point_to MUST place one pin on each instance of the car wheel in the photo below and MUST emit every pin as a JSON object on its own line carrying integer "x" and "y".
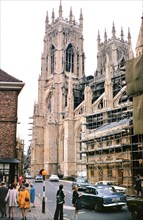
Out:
{"x": 97, "y": 207}
{"x": 134, "y": 214}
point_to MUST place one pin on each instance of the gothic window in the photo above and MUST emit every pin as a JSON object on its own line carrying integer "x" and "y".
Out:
{"x": 49, "y": 107}
{"x": 122, "y": 63}
{"x": 47, "y": 63}
{"x": 77, "y": 64}
{"x": 52, "y": 59}
{"x": 83, "y": 62}
{"x": 70, "y": 59}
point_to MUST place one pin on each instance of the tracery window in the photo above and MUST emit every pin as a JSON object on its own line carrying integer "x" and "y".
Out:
{"x": 70, "y": 59}
{"x": 52, "y": 59}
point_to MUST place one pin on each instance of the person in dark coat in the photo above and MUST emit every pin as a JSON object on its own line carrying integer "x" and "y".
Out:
{"x": 138, "y": 186}
{"x": 59, "y": 203}
{"x": 3, "y": 193}
{"x": 75, "y": 199}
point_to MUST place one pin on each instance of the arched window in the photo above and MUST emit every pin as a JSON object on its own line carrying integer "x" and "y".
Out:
{"x": 69, "y": 59}
{"x": 52, "y": 59}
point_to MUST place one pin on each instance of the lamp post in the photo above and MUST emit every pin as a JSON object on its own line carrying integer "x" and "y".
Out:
{"x": 43, "y": 172}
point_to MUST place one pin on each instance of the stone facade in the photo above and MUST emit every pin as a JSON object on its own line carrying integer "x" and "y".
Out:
{"x": 83, "y": 125}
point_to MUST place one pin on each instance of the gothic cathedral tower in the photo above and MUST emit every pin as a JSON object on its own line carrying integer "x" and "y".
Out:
{"x": 62, "y": 67}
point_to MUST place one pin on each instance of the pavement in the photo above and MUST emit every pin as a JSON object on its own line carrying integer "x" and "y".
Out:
{"x": 35, "y": 214}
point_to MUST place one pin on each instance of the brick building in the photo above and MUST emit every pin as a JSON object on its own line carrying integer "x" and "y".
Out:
{"x": 10, "y": 88}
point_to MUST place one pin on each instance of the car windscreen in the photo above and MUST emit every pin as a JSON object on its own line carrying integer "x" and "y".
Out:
{"x": 81, "y": 181}
{"x": 106, "y": 191}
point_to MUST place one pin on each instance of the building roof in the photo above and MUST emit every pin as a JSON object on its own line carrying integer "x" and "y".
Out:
{"x": 5, "y": 77}
{"x": 9, "y": 82}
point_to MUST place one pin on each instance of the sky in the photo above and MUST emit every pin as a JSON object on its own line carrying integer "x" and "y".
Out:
{"x": 22, "y": 29}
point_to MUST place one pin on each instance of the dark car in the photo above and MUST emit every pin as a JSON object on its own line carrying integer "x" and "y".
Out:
{"x": 81, "y": 182}
{"x": 135, "y": 206}
{"x": 101, "y": 197}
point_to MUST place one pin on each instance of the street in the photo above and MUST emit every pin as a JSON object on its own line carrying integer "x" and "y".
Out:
{"x": 84, "y": 214}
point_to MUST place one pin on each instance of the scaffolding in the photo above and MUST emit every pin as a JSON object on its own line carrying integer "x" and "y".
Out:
{"x": 111, "y": 150}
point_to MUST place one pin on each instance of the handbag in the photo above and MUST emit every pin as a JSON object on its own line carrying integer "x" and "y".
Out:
{"x": 27, "y": 199}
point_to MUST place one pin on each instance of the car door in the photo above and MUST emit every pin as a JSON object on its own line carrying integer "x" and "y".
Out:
{"x": 89, "y": 197}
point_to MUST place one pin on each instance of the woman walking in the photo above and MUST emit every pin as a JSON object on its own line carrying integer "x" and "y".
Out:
{"x": 32, "y": 195}
{"x": 11, "y": 198}
{"x": 76, "y": 202}
{"x": 24, "y": 201}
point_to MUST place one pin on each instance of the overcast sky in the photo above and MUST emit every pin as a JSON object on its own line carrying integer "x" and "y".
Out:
{"x": 22, "y": 32}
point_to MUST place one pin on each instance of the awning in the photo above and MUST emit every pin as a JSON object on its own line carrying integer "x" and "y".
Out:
{"x": 9, "y": 160}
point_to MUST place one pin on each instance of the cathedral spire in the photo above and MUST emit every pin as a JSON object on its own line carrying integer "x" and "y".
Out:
{"x": 53, "y": 16}
{"x": 113, "y": 31}
{"x": 81, "y": 19}
{"x": 98, "y": 40}
{"x": 122, "y": 34}
{"x": 139, "y": 45}
{"x": 105, "y": 36}
{"x": 129, "y": 36}
{"x": 46, "y": 22}
{"x": 60, "y": 10}
{"x": 71, "y": 15}
{"x": 131, "y": 54}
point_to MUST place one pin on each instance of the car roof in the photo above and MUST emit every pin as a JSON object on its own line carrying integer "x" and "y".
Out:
{"x": 106, "y": 181}
{"x": 98, "y": 186}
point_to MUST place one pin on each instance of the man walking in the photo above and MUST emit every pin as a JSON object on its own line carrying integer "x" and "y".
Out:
{"x": 3, "y": 193}
{"x": 138, "y": 187}
{"x": 60, "y": 201}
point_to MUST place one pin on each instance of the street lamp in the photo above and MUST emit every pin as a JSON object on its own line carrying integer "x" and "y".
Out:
{"x": 43, "y": 172}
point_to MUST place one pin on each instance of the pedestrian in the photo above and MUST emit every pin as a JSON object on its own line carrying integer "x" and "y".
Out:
{"x": 59, "y": 203}
{"x": 32, "y": 195}
{"x": 76, "y": 202}
{"x": 11, "y": 198}
{"x": 3, "y": 193}
{"x": 20, "y": 180}
{"x": 138, "y": 186}
{"x": 24, "y": 201}
{"x": 1, "y": 176}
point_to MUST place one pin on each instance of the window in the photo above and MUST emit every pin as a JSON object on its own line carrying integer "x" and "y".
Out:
{"x": 52, "y": 59}
{"x": 69, "y": 59}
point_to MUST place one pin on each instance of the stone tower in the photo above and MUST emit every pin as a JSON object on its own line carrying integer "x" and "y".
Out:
{"x": 62, "y": 67}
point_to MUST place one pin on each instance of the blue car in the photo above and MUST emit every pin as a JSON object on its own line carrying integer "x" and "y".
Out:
{"x": 101, "y": 197}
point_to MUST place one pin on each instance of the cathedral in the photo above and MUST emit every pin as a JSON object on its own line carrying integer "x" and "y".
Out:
{"x": 83, "y": 125}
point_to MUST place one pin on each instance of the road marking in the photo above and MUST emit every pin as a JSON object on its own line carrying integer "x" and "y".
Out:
{"x": 69, "y": 207}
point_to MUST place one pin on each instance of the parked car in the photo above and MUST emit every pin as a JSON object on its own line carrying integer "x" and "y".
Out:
{"x": 112, "y": 183}
{"x": 100, "y": 197}
{"x": 39, "y": 178}
{"x": 54, "y": 178}
{"x": 135, "y": 206}
{"x": 28, "y": 176}
{"x": 81, "y": 182}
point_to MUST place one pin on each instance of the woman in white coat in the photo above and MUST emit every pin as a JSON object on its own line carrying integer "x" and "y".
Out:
{"x": 11, "y": 198}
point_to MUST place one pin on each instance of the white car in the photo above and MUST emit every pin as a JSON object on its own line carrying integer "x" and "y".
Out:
{"x": 54, "y": 178}
{"x": 114, "y": 184}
